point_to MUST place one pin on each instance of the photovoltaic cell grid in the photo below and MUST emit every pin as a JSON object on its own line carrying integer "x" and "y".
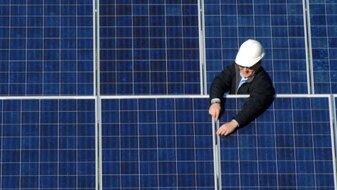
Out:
{"x": 278, "y": 26}
{"x": 323, "y": 21}
{"x": 288, "y": 147}
{"x": 46, "y": 47}
{"x": 166, "y": 143}
{"x": 163, "y": 143}
{"x": 47, "y": 144}
{"x": 149, "y": 47}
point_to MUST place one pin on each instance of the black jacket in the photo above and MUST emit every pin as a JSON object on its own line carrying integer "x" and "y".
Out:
{"x": 260, "y": 89}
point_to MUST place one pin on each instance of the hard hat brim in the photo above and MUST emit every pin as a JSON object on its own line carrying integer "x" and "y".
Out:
{"x": 247, "y": 62}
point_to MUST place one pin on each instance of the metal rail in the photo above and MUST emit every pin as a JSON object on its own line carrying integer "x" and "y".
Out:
{"x": 216, "y": 155}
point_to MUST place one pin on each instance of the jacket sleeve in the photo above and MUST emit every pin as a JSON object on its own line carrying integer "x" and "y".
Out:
{"x": 261, "y": 97}
{"x": 222, "y": 83}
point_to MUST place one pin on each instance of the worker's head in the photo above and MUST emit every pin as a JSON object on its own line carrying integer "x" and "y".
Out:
{"x": 249, "y": 57}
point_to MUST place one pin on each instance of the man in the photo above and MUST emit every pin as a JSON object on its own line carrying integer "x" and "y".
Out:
{"x": 245, "y": 76}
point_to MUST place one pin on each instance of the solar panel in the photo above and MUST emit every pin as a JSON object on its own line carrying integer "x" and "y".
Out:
{"x": 278, "y": 26}
{"x": 46, "y": 48}
{"x": 156, "y": 143}
{"x": 290, "y": 146}
{"x": 323, "y": 34}
{"x": 47, "y": 144}
{"x": 149, "y": 47}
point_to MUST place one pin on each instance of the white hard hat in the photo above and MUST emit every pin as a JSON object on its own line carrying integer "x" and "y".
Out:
{"x": 250, "y": 52}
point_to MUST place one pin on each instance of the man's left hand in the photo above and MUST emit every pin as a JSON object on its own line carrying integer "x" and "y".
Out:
{"x": 227, "y": 128}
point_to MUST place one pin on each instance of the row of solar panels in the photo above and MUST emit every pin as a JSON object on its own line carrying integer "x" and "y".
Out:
{"x": 160, "y": 48}
{"x": 164, "y": 143}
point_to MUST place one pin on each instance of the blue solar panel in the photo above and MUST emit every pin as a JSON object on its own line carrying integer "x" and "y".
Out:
{"x": 47, "y": 144}
{"x": 323, "y": 36}
{"x": 278, "y": 26}
{"x": 156, "y": 144}
{"x": 149, "y": 47}
{"x": 290, "y": 146}
{"x": 46, "y": 48}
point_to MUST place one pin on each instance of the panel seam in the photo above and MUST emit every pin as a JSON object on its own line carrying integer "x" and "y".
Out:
{"x": 202, "y": 48}
{"x": 332, "y": 111}
{"x": 308, "y": 47}
{"x": 96, "y": 85}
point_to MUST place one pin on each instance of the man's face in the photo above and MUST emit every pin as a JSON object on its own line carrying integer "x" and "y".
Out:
{"x": 248, "y": 71}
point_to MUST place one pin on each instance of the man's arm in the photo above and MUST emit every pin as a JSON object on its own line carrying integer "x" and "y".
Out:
{"x": 260, "y": 99}
{"x": 220, "y": 85}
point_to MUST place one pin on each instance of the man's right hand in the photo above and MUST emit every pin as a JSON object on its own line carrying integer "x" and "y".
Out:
{"x": 214, "y": 111}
